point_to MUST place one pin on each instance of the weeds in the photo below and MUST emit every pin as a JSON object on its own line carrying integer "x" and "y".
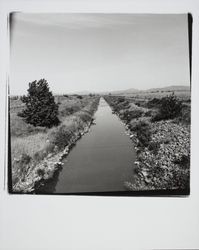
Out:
{"x": 143, "y": 132}
{"x": 30, "y": 145}
{"x": 132, "y": 114}
{"x": 60, "y": 136}
{"x": 169, "y": 108}
{"x": 162, "y": 147}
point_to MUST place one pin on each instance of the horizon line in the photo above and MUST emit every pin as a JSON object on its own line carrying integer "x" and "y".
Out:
{"x": 105, "y": 91}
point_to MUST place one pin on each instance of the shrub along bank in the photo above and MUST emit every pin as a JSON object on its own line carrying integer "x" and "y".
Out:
{"x": 36, "y": 164}
{"x": 160, "y": 131}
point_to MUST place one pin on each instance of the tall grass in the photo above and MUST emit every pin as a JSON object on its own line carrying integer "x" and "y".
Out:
{"x": 30, "y": 145}
{"x": 20, "y": 128}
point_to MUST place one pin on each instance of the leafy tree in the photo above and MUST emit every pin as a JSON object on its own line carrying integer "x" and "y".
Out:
{"x": 41, "y": 109}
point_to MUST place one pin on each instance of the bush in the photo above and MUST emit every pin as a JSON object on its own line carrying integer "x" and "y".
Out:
{"x": 41, "y": 109}
{"x": 125, "y": 104}
{"x": 144, "y": 137}
{"x": 61, "y": 137}
{"x": 84, "y": 116}
{"x": 185, "y": 115}
{"x": 143, "y": 132}
{"x": 120, "y": 99}
{"x": 121, "y": 105}
{"x": 79, "y": 97}
{"x": 155, "y": 102}
{"x": 170, "y": 108}
{"x": 132, "y": 114}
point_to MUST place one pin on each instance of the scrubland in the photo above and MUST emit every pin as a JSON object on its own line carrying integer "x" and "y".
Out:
{"x": 159, "y": 126}
{"x": 36, "y": 151}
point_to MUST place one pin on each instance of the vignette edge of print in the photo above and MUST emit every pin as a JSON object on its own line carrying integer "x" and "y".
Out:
{"x": 105, "y": 116}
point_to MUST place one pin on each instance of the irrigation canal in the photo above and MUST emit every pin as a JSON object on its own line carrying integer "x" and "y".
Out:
{"x": 102, "y": 159}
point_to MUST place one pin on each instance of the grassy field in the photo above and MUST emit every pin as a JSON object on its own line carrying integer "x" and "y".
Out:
{"x": 144, "y": 96}
{"x": 161, "y": 136}
{"x": 30, "y": 145}
{"x": 158, "y": 123}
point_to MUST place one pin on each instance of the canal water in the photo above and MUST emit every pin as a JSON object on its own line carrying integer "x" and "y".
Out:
{"x": 102, "y": 160}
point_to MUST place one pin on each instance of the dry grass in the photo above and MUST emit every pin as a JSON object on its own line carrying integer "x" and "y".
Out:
{"x": 20, "y": 128}
{"x": 182, "y": 95}
{"x": 67, "y": 106}
{"x": 163, "y": 147}
{"x": 28, "y": 145}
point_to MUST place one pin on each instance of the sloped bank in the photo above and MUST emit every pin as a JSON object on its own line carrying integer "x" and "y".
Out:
{"x": 163, "y": 148}
{"x": 60, "y": 141}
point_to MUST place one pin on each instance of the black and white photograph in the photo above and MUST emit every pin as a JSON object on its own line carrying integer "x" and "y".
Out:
{"x": 99, "y": 103}
{"x": 99, "y": 124}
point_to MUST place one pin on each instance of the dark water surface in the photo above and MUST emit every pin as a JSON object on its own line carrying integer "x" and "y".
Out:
{"x": 102, "y": 160}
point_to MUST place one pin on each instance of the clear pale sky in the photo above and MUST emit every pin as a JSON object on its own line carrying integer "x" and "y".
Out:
{"x": 99, "y": 52}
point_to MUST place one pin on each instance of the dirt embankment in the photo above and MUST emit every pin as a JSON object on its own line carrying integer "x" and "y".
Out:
{"x": 29, "y": 173}
{"x": 162, "y": 145}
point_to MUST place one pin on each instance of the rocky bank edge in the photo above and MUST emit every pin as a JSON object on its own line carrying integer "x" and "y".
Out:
{"x": 167, "y": 168}
{"x": 163, "y": 169}
{"x": 46, "y": 169}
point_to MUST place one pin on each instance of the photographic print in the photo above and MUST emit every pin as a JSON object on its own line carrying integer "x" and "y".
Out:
{"x": 99, "y": 104}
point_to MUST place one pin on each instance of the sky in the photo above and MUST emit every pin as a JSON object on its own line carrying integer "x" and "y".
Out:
{"x": 99, "y": 52}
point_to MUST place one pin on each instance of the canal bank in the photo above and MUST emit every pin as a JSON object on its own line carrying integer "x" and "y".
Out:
{"x": 42, "y": 169}
{"x": 102, "y": 161}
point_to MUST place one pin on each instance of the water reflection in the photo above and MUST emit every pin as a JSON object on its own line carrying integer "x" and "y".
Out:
{"x": 101, "y": 161}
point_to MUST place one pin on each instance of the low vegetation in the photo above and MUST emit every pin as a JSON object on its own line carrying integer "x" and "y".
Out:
{"x": 169, "y": 107}
{"x": 37, "y": 150}
{"x": 160, "y": 130}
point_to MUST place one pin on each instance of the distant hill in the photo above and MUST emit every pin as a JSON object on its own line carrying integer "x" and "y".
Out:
{"x": 170, "y": 88}
{"x": 133, "y": 90}
{"x": 83, "y": 92}
{"x": 165, "y": 89}
{"x": 120, "y": 92}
